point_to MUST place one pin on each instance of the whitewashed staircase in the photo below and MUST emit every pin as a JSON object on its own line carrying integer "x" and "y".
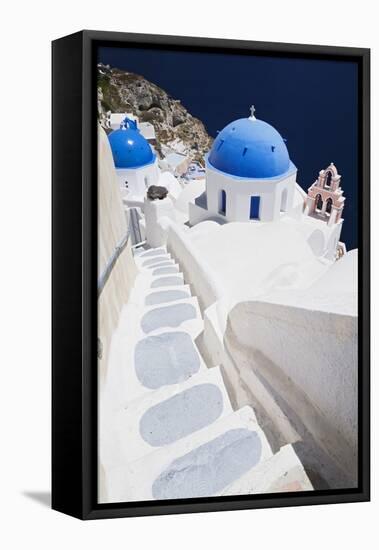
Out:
{"x": 167, "y": 427}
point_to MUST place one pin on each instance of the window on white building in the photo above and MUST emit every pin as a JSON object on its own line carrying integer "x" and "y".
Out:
{"x": 254, "y": 207}
{"x": 283, "y": 203}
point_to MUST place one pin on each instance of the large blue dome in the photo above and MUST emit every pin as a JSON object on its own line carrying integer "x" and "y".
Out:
{"x": 130, "y": 149}
{"x": 250, "y": 148}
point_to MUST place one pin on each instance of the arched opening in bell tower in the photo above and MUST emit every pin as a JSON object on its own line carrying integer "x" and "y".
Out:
{"x": 328, "y": 179}
{"x": 329, "y": 204}
{"x": 318, "y": 203}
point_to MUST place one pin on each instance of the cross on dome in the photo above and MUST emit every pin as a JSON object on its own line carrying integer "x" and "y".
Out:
{"x": 252, "y": 111}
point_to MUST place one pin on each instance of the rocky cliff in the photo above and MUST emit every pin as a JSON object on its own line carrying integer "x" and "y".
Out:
{"x": 120, "y": 91}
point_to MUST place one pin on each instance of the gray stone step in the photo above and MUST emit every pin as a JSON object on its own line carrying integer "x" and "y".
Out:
{"x": 162, "y": 417}
{"x": 184, "y": 314}
{"x": 151, "y": 252}
{"x": 200, "y": 465}
{"x": 145, "y": 263}
{"x": 155, "y": 360}
{"x": 163, "y": 296}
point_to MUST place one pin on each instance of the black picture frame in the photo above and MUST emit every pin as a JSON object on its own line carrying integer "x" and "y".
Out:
{"x": 74, "y": 295}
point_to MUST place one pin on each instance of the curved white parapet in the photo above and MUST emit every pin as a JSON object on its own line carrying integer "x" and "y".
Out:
{"x": 196, "y": 270}
{"x": 306, "y": 359}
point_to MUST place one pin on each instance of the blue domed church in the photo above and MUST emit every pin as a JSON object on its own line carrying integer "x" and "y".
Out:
{"x": 249, "y": 175}
{"x": 135, "y": 161}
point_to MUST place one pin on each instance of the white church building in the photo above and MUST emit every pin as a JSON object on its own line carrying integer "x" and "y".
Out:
{"x": 251, "y": 178}
{"x": 135, "y": 162}
{"x": 249, "y": 175}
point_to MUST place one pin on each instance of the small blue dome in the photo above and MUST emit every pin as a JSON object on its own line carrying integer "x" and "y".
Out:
{"x": 250, "y": 148}
{"x": 129, "y": 148}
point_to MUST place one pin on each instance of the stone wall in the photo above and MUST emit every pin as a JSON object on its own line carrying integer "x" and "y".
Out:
{"x": 112, "y": 228}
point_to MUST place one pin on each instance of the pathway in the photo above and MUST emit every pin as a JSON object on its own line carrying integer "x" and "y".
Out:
{"x": 167, "y": 427}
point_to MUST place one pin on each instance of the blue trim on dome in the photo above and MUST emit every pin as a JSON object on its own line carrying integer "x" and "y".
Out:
{"x": 250, "y": 148}
{"x": 130, "y": 149}
{"x": 291, "y": 170}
